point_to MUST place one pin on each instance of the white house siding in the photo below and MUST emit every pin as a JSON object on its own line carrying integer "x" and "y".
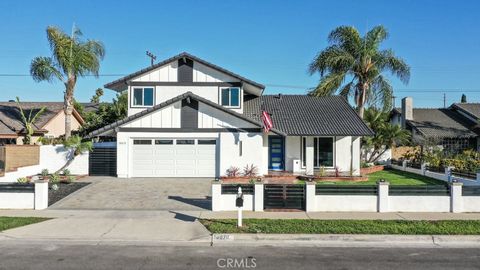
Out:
{"x": 228, "y": 149}
{"x": 209, "y": 117}
{"x": 165, "y": 73}
{"x": 202, "y": 73}
{"x": 167, "y": 117}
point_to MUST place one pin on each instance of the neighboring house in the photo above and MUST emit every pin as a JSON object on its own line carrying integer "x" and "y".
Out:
{"x": 454, "y": 128}
{"x": 51, "y": 123}
{"x": 190, "y": 118}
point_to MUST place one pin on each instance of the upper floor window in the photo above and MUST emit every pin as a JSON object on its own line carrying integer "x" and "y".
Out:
{"x": 230, "y": 97}
{"x": 142, "y": 96}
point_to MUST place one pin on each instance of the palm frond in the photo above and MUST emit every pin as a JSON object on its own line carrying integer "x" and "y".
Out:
{"x": 332, "y": 59}
{"x": 328, "y": 84}
{"x": 346, "y": 37}
{"x": 387, "y": 60}
{"x": 375, "y": 36}
{"x": 43, "y": 69}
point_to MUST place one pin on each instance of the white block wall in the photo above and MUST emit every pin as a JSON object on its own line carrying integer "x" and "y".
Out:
{"x": 10, "y": 200}
{"x": 345, "y": 203}
{"x": 419, "y": 203}
{"x": 51, "y": 158}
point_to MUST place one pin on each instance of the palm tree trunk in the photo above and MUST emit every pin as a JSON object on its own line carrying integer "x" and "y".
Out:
{"x": 68, "y": 105}
{"x": 361, "y": 99}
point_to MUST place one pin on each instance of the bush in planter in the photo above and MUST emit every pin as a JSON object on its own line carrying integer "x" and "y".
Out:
{"x": 233, "y": 171}
{"x": 55, "y": 178}
{"x": 70, "y": 179}
{"x": 22, "y": 180}
{"x": 250, "y": 170}
{"x": 44, "y": 173}
{"x": 66, "y": 172}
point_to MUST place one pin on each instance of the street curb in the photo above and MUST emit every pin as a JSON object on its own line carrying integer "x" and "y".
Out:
{"x": 341, "y": 240}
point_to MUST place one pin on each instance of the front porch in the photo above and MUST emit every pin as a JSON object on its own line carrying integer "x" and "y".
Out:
{"x": 313, "y": 155}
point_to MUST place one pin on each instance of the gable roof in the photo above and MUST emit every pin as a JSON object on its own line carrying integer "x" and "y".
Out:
{"x": 11, "y": 121}
{"x": 302, "y": 115}
{"x": 441, "y": 123}
{"x": 471, "y": 109}
{"x": 114, "y": 84}
{"x": 110, "y": 127}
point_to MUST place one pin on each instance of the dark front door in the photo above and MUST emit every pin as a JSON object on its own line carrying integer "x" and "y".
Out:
{"x": 276, "y": 146}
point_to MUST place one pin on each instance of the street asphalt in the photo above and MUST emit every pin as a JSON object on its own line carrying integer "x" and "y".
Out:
{"x": 67, "y": 256}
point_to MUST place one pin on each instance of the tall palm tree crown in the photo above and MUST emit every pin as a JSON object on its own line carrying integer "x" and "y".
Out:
{"x": 71, "y": 58}
{"x": 359, "y": 61}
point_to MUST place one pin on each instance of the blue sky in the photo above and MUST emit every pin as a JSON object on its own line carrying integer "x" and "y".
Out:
{"x": 271, "y": 42}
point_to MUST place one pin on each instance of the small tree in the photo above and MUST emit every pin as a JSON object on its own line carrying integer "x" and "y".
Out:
{"x": 96, "y": 98}
{"x": 386, "y": 135}
{"x": 29, "y": 121}
{"x": 464, "y": 99}
{"x": 76, "y": 146}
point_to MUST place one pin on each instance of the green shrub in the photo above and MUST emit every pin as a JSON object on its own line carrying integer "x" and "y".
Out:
{"x": 66, "y": 172}
{"x": 70, "y": 179}
{"x": 55, "y": 178}
{"x": 22, "y": 180}
{"x": 44, "y": 172}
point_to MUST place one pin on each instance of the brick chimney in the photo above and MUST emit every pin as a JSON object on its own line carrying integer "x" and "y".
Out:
{"x": 407, "y": 110}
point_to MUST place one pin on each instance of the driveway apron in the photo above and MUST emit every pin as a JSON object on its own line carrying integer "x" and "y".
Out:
{"x": 109, "y": 193}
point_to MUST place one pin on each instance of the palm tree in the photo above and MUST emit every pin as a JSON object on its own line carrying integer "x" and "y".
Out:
{"x": 29, "y": 121}
{"x": 359, "y": 61}
{"x": 71, "y": 58}
{"x": 386, "y": 135}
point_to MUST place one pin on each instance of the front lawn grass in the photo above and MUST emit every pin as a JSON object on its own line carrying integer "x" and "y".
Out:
{"x": 394, "y": 177}
{"x": 309, "y": 226}
{"x": 13, "y": 222}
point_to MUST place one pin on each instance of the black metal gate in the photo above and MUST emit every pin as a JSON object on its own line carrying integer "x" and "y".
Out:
{"x": 278, "y": 196}
{"x": 102, "y": 161}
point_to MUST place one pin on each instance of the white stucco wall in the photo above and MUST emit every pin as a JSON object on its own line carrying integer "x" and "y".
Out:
{"x": 292, "y": 151}
{"x": 10, "y": 200}
{"x": 346, "y": 203}
{"x": 51, "y": 158}
{"x": 419, "y": 203}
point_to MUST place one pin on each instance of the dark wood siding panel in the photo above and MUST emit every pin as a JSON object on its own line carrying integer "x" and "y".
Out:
{"x": 185, "y": 70}
{"x": 189, "y": 114}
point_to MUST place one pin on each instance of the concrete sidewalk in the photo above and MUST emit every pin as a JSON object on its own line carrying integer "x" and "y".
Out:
{"x": 110, "y": 226}
{"x": 178, "y": 228}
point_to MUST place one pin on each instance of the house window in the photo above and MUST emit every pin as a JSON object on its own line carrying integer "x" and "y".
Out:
{"x": 230, "y": 97}
{"x": 143, "y": 96}
{"x": 142, "y": 142}
{"x": 322, "y": 152}
{"x": 185, "y": 141}
{"x": 163, "y": 141}
{"x": 204, "y": 142}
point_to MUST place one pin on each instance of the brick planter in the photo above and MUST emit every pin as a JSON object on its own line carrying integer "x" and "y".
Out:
{"x": 369, "y": 170}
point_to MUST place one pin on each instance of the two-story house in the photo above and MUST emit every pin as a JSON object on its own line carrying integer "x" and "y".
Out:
{"x": 190, "y": 118}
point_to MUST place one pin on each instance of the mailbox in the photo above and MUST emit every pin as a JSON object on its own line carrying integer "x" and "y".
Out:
{"x": 239, "y": 200}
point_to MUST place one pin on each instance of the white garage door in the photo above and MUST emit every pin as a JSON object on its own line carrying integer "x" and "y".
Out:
{"x": 174, "y": 157}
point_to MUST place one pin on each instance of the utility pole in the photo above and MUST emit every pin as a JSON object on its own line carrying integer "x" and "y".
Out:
{"x": 444, "y": 100}
{"x": 152, "y": 57}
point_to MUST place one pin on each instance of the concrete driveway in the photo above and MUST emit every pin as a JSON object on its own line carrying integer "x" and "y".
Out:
{"x": 106, "y": 193}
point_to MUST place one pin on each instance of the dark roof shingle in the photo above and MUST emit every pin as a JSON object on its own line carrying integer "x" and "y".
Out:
{"x": 298, "y": 115}
{"x": 441, "y": 123}
{"x": 472, "y": 109}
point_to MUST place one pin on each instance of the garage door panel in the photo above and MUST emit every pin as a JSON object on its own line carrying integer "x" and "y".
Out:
{"x": 174, "y": 160}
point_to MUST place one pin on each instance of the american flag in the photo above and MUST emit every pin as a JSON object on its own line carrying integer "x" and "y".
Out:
{"x": 267, "y": 122}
